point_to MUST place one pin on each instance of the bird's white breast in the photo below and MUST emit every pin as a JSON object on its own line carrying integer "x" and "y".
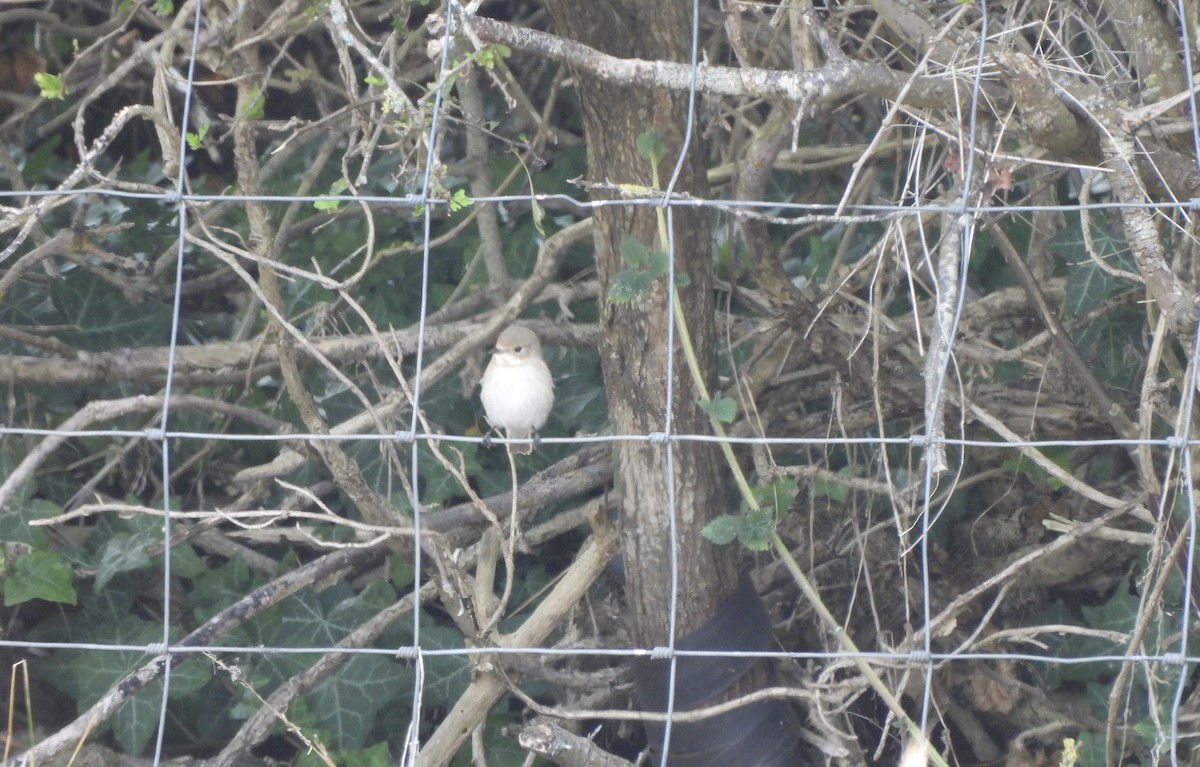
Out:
{"x": 517, "y": 395}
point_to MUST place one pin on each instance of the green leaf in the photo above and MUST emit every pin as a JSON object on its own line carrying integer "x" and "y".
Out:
{"x": 1088, "y": 285}
{"x": 101, "y": 317}
{"x": 348, "y": 703}
{"x": 446, "y": 676}
{"x": 1089, "y": 750}
{"x": 439, "y": 485}
{"x": 401, "y": 573}
{"x": 336, "y": 188}
{"x": 1118, "y": 614}
{"x": 50, "y": 86}
{"x": 722, "y": 531}
{"x": 539, "y": 216}
{"x": 185, "y": 562}
{"x": 777, "y": 496}
{"x": 722, "y": 409}
{"x": 755, "y": 529}
{"x": 373, "y": 80}
{"x": 650, "y": 146}
{"x": 1109, "y": 341}
{"x": 122, "y": 553}
{"x": 195, "y": 139}
{"x": 633, "y": 283}
{"x": 490, "y": 54}
{"x": 220, "y": 586}
{"x": 1019, "y": 464}
{"x": 831, "y": 489}
{"x": 375, "y": 756}
{"x": 14, "y": 523}
{"x": 634, "y": 252}
{"x": 460, "y": 200}
{"x": 39, "y": 575}
{"x": 255, "y": 105}
{"x": 629, "y": 286}
{"x": 659, "y": 264}
{"x": 87, "y": 675}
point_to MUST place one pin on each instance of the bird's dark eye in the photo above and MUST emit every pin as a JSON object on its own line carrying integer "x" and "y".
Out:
{"x": 517, "y": 349}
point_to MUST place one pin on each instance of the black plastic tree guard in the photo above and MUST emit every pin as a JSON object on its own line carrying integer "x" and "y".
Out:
{"x": 760, "y": 734}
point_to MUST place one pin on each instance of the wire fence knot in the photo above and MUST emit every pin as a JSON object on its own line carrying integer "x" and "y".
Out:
{"x": 920, "y": 657}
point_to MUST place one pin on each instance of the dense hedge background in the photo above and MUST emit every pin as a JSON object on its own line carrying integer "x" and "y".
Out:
{"x": 369, "y": 199}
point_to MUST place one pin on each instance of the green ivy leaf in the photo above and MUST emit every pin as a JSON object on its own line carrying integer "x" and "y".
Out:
{"x": 39, "y": 575}
{"x": 14, "y": 523}
{"x": 401, "y": 574}
{"x": 93, "y": 674}
{"x": 101, "y": 317}
{"x": 185, "y": 562}
{"x": 348, "y": 703}
{"x": 122, "y": 553}
{"x": 375, "y": 756}
{"x": 1088, "y": 285}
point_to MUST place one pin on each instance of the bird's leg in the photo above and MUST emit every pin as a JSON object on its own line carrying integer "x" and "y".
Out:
{"x": 487, "y": 438}
{"x": 537, "y": 440}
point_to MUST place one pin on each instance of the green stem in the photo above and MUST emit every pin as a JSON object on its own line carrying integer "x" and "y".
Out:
{"x": 810, "y": 592}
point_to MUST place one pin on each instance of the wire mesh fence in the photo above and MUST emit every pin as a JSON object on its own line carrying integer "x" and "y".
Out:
{"x": 896, "y": 464}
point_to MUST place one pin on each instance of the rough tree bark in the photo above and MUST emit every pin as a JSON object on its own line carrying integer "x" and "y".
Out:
{"x": 634, "y": 350}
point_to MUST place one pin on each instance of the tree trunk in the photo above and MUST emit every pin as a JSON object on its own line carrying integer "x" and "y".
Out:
{"x": 634, "y": 350}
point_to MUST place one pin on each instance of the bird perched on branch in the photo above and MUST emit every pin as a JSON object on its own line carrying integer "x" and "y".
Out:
{"x": 518, "y": 391}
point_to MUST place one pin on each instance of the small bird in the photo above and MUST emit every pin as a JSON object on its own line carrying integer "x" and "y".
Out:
{"x": 518, "y": 391}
